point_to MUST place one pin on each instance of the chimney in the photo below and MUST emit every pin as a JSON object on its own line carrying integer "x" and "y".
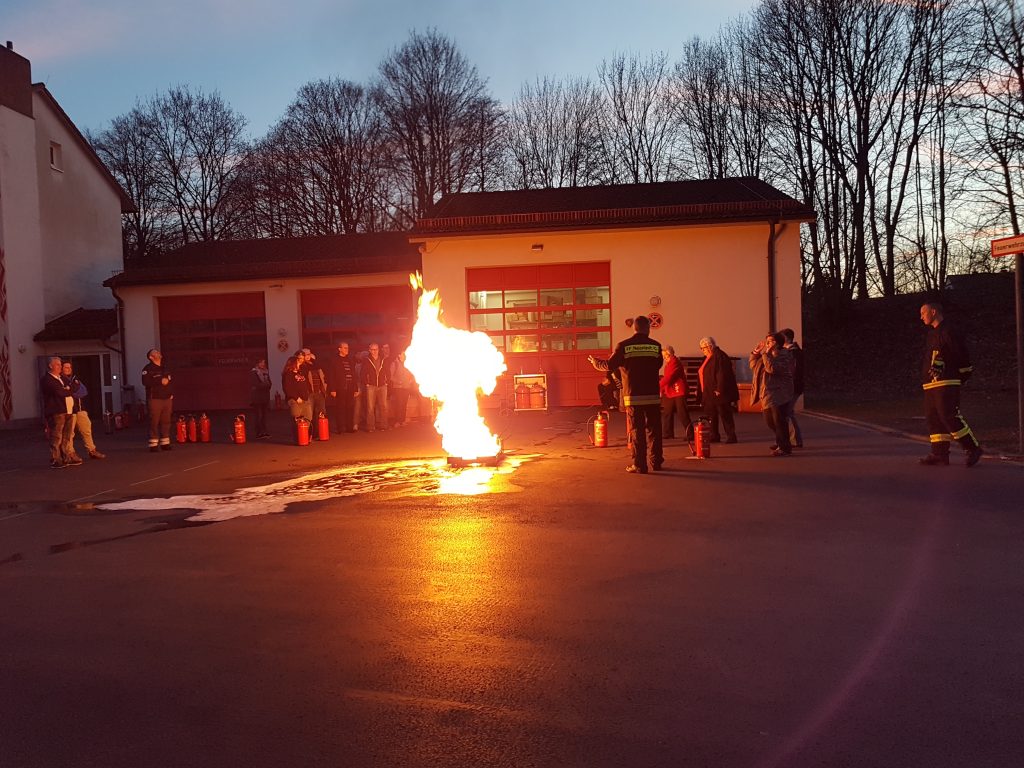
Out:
{"x": 10, "y": 45}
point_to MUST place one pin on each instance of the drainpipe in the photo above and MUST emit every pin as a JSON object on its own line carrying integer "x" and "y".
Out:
{"x": 124, "y": 345}
{"x": 773, "y": 236}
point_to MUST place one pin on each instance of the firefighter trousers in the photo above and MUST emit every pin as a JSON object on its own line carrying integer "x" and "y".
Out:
{"x": 643, "y": 425}
{"x": 942, "y": 412}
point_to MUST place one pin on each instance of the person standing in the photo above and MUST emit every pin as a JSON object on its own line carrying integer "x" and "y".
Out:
{"x": 296, "y": 390}
{"x": 342, "y": 389}
{"x": 400, "y": 383}
{"x": 156, "y": 380}
{"x": 259, "y": 396}
{"x": 945, "y": 367}
{"x": 772, "y": 367}
{"x": 81, "y": 423}
{"x": 718, "y": 388}
{"x": 374, "y": 374}
{"x": 638, "y": 360}
{"x": 795, "y": 435}
{"x": 58, "y": 410}
{"x": 317, "y": 387}
{"x": 673, "y": 388}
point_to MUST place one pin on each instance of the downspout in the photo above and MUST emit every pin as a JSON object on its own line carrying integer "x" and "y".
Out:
{"x": 124, "y": 345}
{"x": 773, "y": 236}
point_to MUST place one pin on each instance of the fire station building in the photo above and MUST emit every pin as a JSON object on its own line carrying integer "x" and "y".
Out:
{"x": 552, "y": 276}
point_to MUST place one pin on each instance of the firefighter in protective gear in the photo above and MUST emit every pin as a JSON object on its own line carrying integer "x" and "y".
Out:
{"x": 946, "y": 366}
{"x": 638, "y": 360}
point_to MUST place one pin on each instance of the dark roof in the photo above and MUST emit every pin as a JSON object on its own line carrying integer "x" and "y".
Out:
{"x": 275, "y": 258}
{"x": 81, "y": 325}
{"x": 666, "y": 203}
{"x": 127, "y": 206}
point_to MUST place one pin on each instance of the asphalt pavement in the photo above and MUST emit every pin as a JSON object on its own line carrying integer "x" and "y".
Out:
{"x": 359, "y": 603}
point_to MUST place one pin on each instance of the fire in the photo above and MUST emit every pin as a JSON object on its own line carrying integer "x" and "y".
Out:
{"x": 452, "y": 366}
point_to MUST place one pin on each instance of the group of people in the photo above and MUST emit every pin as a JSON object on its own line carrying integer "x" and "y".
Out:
{"x": 654, "y": 387}
{"x": 369, "y": 391}
{"x": 65, "y": 414}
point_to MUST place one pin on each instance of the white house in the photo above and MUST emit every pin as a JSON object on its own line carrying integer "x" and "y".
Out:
{"x": 60, "y": 238}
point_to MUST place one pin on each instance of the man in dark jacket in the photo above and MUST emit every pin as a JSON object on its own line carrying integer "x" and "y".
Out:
{"x": 638, "y": 360}
{"x": 945, "y": 367}
{"x": 342, "y": 387}
{"x": 373, "y": 375}
{"x": 156, "y": 379}
{"x": 796, "y": 436}
{"x": 59, "y": 409}
{"x": 718, "y": 389}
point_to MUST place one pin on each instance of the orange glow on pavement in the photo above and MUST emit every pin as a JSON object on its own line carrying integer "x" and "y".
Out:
{"x": 454, "y": 367}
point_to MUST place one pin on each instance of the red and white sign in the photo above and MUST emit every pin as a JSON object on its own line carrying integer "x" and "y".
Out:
{"x": 1007, "y": 246}
{"x": 656, "y": 319}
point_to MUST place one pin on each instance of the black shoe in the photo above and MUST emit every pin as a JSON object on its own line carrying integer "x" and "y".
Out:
{"x": 937, "y": 460}
{"x": 633, "y": 468}
{"x": 165, "y": 447}
{"x": 57, "y": 465}
{"x": 773, "y": 447}
{"x": 973, "y": 455}
{"x": 154, "y": 449}
{"x": 781, "y": 452}
{"x": 657, "y": 467}
{"x": 731, "y": 440}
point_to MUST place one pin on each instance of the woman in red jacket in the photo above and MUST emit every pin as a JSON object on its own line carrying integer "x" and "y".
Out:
{"x": 673, "y": 388}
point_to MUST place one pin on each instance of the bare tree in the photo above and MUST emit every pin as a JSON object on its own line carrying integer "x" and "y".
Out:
{"x": 437, "y": 115}
{"x": 126, "y": 149}
{"x": 199, "y": 146}
{"x": 702, "y": 97}
{"x": 640, "y": 131}
{"x": 552, "y": 135}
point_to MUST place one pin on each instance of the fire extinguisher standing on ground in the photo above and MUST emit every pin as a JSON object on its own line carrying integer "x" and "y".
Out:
{"x": 181, "y": 430}
{"x": 301, "y": 431}
{"x": 323, "y": 427}
{"x": 238, "y": 435}
{"x": 204, "y": 428}
{"x": 700, "y": 441}
{"x": 599, "y": 438}
{"x": 193, "y": 435}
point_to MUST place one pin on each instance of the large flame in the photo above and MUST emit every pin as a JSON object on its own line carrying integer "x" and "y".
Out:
{"x": 453, "y": 366}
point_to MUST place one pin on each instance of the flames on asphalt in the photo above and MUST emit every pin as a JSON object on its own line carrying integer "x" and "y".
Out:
{"x": 454, "y": 367}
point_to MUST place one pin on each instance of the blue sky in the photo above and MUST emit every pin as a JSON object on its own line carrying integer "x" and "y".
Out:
{"x": 98, "y": 56}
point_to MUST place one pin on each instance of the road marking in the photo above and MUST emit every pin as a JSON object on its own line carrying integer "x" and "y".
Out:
{"x": 151, "y": 479}
{"x": 11, "y": 517}
{"x": 8, "y": 471}
{"x": 93, "y": 496}
{"x": 197, "y": 466}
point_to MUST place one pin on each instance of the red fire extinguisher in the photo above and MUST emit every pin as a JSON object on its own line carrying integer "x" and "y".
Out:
{"x": 126, "y": 417}
{"x": 238, "y": 434}
{"x": 700, "y": 445}
{"x": 278, "y": 402}
{"x": 118, "y": 421}
{"x": 181, "y": 430}
{"x": 204, "y": 428}
{"x": 301, "y": 431}
{"x": 599, "y": 439}
{"x": 193, "y": 435}
{"x": 323, "y": 427}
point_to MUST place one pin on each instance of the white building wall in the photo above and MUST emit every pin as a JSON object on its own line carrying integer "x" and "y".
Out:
{"x": 20, "y": 239}
{"x": 80, "y": 219}
{"x": 712, "y": 280}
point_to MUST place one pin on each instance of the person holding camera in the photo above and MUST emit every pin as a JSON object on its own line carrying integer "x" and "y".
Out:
{"x": 772, "y": 366}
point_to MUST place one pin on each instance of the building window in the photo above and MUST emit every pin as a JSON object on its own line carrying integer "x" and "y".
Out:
{"x": 547, "y": 308}
{"x": 56, "y": 156}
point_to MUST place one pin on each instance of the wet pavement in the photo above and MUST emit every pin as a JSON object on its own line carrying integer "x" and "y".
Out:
{"x": 343, "y": 604}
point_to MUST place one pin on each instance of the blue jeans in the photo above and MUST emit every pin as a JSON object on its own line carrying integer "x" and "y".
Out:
{"x": 376, "y": 407}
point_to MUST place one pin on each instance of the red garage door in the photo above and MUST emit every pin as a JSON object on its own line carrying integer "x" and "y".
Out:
{"x": 546, "y": 319}
{"x": 210, "y": 343}
{"x": 384, "y": 314}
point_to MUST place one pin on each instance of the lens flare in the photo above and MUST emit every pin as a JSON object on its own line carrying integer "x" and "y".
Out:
{"x": 454, "y": 367}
